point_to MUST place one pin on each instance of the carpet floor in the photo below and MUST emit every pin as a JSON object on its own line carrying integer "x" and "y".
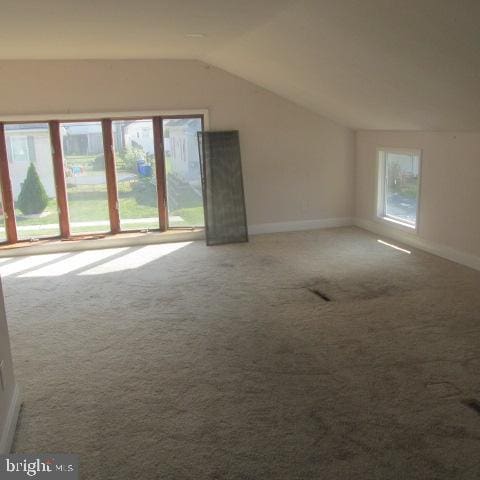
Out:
{"x": 183, "y": 361}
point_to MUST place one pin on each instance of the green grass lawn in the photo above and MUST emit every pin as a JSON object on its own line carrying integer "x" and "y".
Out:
{"x": 129, "y": 208}
{"x": 137, "y": 200}
{"x": 80, "y": 160}
{"x": 191, "y": 216}
{"x": 89, "y": 203}
{"x": 52, "y": 216}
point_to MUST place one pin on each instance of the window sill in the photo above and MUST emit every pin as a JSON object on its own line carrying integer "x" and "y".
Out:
{"x": 126, "y": 239}
{"x": 406, "y": 227}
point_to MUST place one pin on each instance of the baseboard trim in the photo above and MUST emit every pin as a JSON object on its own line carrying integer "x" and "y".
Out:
{"x": 8, "y": 433}
{"x": 443, "y": 251}
{"x": 299, "y": 225}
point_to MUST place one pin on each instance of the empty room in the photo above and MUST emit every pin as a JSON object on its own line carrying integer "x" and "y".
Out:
{"x": 240, "y": 240}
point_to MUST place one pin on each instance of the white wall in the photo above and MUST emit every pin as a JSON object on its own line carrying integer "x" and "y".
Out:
{"x": 9, "y": 400}
{"x": 449, "y": 218}
{"x": 297, "y": 165}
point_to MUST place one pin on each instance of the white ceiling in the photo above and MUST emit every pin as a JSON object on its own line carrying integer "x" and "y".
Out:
{"x": 380, "y": 64}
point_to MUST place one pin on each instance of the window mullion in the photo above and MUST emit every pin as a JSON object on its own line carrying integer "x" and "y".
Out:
{"x": 111, "y": 175}
{"x": 160, "y": 169}
{"x": 60, "y": 183}
{"x": 7, "y": 194}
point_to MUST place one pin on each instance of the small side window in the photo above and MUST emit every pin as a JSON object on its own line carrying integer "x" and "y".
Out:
{"x": 399, "y": 186}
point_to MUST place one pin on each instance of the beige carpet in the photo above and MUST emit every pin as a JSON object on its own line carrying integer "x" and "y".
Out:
{"x": 187, "y": 362}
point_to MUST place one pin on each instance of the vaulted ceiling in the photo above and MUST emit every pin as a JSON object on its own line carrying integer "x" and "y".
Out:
{"x": 377, "y": 64}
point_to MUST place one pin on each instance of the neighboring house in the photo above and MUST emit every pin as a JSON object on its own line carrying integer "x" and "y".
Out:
{"x": 183, "y": 147}
{"x": 138, "y": 134}
{"x": 180, "y": 142}
{"x": 29, "y": 143}
{"x": 82, "y": 138}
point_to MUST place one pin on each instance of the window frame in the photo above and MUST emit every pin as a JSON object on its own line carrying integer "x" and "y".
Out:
{"x": 106, "y": 119}
{"x": 381, "y": 205}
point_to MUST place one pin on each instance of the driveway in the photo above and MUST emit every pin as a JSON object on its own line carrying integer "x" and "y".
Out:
{"x": 402, "y": 207}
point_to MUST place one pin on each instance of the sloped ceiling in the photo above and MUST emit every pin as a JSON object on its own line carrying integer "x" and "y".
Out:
{"x": 368, "y": 64}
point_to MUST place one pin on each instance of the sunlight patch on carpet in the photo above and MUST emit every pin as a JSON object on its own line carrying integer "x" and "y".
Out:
{"x": 136, "y": 259}
{"x": 27, "y": 263}
{"x": 72, "y": 263}
{"x": 395, "y": 247}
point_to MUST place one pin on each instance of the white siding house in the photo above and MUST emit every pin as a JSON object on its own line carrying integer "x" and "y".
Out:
{"x": 29, "y": 143}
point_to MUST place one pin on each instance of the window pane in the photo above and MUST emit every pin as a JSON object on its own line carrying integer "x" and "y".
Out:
{"x": 82, "y": 145}
{"x": 18, "y": 145}
{"x": 182, "y": 165}
{"x": 33, "y": 182}
{"x": 136, "y": 176}
{"x": 401, "y": 186}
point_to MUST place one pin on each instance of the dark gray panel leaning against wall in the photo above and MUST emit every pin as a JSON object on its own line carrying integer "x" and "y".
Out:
{"x": 222, "y": 183}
